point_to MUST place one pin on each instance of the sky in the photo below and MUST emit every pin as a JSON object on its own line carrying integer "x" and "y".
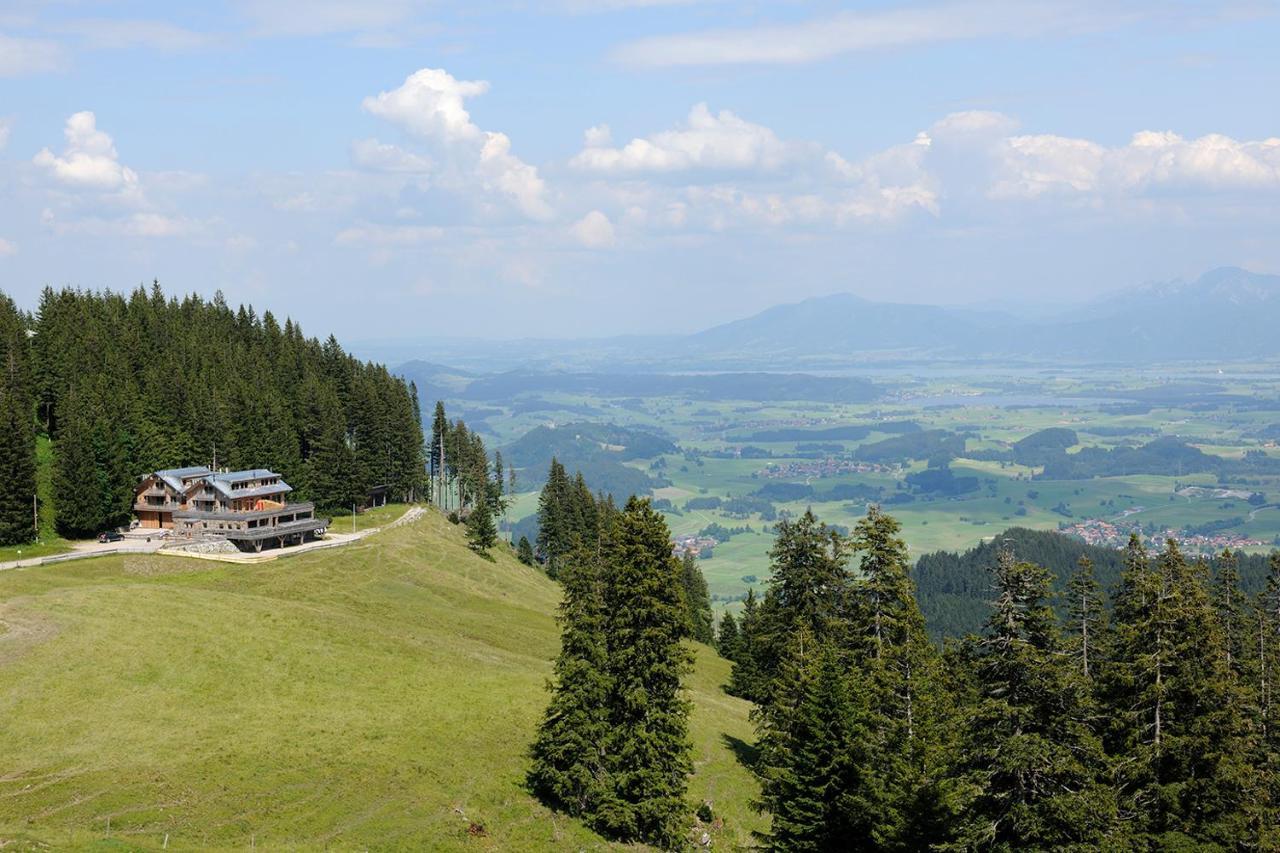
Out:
{"x": 402, "y": 170}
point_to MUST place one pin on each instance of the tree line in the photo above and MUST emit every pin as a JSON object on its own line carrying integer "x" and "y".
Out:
{"x": 1144, "y": 719}
{"x": 126, "y": 384}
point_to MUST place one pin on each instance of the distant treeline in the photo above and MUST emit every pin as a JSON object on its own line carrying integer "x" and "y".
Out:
{"x": 129, "y": 384}
{"x": 955, "y": 589}
{"x": 852, "y": 432}
{"x": 716, "y": 386}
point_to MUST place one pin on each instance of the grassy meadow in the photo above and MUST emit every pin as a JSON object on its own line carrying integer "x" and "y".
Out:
{"x": 377, "y": 696}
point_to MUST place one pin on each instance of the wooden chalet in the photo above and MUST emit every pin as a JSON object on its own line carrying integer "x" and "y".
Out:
{"x": 248, "y": 508}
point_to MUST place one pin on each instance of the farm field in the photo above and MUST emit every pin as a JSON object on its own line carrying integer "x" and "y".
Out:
{"x": 800, "y": 454}
{"x": 380, "y": 695}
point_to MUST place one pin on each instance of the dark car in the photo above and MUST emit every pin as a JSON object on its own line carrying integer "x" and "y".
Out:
{"x": 110, "y": 536}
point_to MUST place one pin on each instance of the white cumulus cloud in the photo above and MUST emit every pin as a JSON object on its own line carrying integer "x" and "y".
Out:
{"x": 7, "y": 247}
{"x": 430, "y": 105}
{"x": 706, "y": 141}
{"x": 594, "y": 231}
{"x": 89, "y": 159}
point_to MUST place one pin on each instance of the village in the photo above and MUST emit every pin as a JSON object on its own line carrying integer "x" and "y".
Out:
{"x": 1107, "y": 534}
{"x": 819, "y": 469}
{"x": 700, "y": 547}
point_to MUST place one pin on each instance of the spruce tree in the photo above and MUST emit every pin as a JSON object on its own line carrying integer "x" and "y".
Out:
{"x": 439, "y": 429}
{"x": 1180, "y": 734}
{"x": 1086, "y": 618}
{"x": 1267, "y": 671}
{"x": 569, "y": 769}
{"x": 903, "y": 797}
{"x": 747, "y": 678}
{"x": 17, "y": 430}
{"x": 524, "y": 551}
{"x": 727, "y": 638}
{"x": 482, "y": 533}
{"x": 556, "y": 524}
{"x": 809, "y": 755}
{"x": 1230, "y": 604}
{"x": 647, "y": 747}
{"x": 80, "y": 485}
{"x": 697, "y": 601}
{"x": 1038, "y": 771}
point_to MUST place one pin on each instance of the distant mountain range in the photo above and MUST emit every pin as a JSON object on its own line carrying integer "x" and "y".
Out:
{"x": 1227, "y": 313}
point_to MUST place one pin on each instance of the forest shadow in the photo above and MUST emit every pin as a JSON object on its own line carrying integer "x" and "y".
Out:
{"x": 748, "y": 754}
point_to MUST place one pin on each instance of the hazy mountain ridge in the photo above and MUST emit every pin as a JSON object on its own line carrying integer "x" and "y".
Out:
{"x": 1227, "y": 313}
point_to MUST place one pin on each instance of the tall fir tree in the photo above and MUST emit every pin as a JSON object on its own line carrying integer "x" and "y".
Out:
{"x": 1086, "y": 618}
{"x": 1038, "y": 771}
{"x": 1179, "y": 730}
{"x": 570, "y": 769}
{"x": 809, "y": 752}
{"x": 556, "y": 523}
{"x": 648, "y": 744}
{"x": 905, "y": 798}
{"x": 524, "y": 551}
{"x": 697, "y": 600}
{"x": 482, "y": 533}
{"x": 727, "y": 637}
{"x": 17, "y": 430}
{"x": 79, "y": 482}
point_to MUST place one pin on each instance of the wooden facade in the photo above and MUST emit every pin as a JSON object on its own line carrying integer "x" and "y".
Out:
{"x": 249, "y": 508}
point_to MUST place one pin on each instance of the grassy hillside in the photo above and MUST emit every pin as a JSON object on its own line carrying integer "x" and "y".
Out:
{"x": 379, "y": 695}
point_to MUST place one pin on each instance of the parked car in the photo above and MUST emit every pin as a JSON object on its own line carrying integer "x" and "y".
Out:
{"x": 110, "y": 536}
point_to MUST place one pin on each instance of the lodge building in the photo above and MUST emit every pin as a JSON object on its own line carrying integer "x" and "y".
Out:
{"x": 247, "y": 508}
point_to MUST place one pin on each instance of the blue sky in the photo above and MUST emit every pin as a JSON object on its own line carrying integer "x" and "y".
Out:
{"x": 400, "y": 169}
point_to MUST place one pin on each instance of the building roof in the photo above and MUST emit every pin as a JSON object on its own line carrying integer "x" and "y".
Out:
{"x": 173, "y": 477}
{"x": 240, "y": 476}
{"x": 224, "y": 480}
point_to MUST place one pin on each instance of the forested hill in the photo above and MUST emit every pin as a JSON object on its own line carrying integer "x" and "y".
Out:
{"x": 125, "y": 384}
{"x": 955, "y": 589}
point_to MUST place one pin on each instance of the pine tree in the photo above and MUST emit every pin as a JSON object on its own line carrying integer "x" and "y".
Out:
{"x": 808, "y": 752}
{"x": 697, "y": 601}
{"x": 903, "y": 796}
{"x": 1086, "y": 618}
{"x": 482, "y": 533}
{"x": 647, "y": 747}
{"x": 1267, "y": 637}
{"x": 1180, "y": 732}
{"x": 1038, "y": 770}
{"x": 747, "y": 677}
{"x": 569, "y": 759}
{"x": 1231, "y": 605}
{"x": 556, "y": 525}
{"x": 524, "y": 551}
{"x": 439, "y": 430}
{"x": 17, "y": 430}
{"x": 727, "y": 638}
{"x": 79, "y": 482}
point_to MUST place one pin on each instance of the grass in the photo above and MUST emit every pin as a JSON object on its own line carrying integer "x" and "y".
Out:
{"x": 344, "y": 522}
{"x": 381, "y": 695}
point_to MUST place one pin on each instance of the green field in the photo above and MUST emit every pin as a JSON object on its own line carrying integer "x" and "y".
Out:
{"x": 377, "y": 696}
